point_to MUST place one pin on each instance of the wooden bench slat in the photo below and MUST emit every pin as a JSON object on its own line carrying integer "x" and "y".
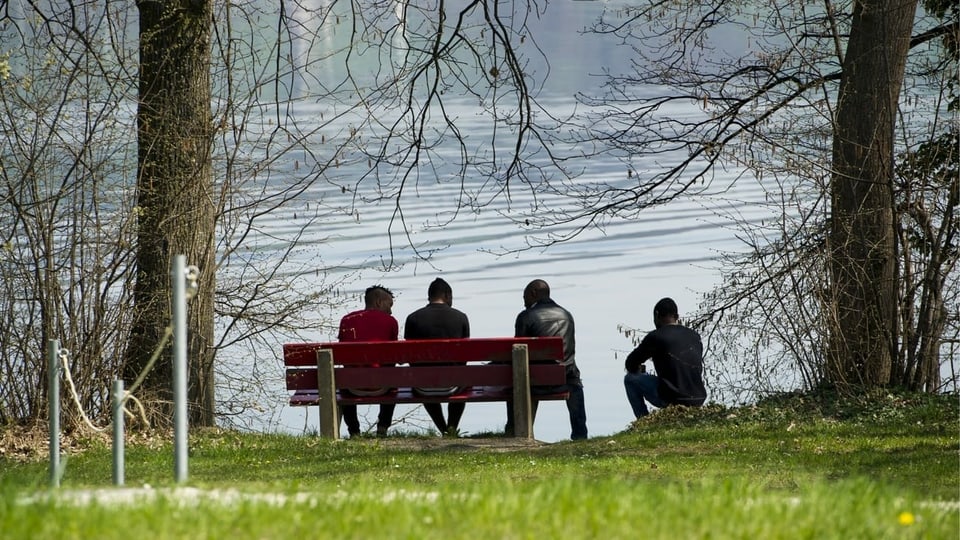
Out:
{"x": 428, "y": 376}
{"x": 423, "y": 351}
{"x": 406, "y": 395}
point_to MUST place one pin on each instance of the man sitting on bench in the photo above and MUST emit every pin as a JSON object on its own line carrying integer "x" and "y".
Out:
{"x": 373, "y": 323}
{"x": 439, "y": 320}
{"x": 544, "y": 317}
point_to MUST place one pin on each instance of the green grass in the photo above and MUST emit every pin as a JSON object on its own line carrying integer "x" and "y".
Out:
{"x": 795, "y": 467}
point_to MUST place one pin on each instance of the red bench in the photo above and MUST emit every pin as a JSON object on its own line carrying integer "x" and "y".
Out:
{"x": 500, "y": 369}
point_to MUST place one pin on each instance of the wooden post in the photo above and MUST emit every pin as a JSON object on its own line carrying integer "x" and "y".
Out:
{"x": 327, "y": 394}
{"x": 522, "y": 406}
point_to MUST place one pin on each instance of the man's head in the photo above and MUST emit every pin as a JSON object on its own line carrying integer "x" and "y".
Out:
{"x": 440, "y": 291}
{"x": 378, "y": 297}
{"x": 535, "y": 291}
{"x": 665, "y": 312}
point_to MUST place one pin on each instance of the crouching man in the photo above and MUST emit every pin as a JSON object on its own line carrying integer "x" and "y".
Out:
{"x": 677, "y": 354}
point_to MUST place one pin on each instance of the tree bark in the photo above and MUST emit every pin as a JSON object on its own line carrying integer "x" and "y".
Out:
{"x": 175, "y": 207}
{"x": 863, "y": 329}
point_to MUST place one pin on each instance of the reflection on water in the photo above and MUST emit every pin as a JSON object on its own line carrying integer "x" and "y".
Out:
{"x": 606, "y": 277}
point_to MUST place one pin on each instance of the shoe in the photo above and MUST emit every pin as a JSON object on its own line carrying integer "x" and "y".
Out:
{"x": 451, "y": 433}
{"x": 381, "y": 432}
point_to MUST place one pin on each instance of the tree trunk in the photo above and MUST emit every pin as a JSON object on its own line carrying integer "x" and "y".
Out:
{"x": 175, "y": 207}
{"x": 863, "y": 331}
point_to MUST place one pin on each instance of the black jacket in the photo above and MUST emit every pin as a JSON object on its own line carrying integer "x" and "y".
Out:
{"x": 436, "y": 321}
{"x": 547, "y": 318}
{"x": 677, "y": 355}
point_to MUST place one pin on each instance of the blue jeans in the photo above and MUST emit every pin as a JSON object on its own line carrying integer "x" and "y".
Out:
{"x": 640, "y": 387}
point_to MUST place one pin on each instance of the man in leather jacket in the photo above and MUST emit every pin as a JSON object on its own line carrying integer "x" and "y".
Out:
{"x": 544, "y": 317}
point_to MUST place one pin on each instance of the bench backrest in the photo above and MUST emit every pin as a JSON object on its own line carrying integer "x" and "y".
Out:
{"x": 410, "y": 351}
{"x": 356, "y": 357}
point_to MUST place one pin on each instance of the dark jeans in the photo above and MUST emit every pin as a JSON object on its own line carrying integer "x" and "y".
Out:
{"x": 642, "y": 388}
{"x": 575, "y": 408}
{"x": 384, "y": 419}
{"x": 454, "y": 413}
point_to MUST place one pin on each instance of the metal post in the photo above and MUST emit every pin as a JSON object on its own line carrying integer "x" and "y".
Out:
{"x": 178, "y": 275}
{"x": 53, "y": 397}
{"x": 118, "y": 432}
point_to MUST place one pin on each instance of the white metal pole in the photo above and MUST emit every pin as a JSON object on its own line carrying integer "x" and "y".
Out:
{"x": 118, "y": 449}
{"x": 178, "y": 275}
{"x": 53, "y": 399}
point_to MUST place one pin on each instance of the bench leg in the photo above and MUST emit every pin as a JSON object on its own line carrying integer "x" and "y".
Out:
{"x": 327, "y": 393}
{"x": 522, "y": 406}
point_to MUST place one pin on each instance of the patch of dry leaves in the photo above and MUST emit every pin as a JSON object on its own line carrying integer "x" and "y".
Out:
{"x": 31, "y": 443}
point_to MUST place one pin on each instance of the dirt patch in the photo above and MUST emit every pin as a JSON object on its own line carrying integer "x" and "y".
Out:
{"x": 467, "y": 444}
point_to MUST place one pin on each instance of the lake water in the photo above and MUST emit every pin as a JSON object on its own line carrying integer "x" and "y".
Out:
{"x": 605, "y": 278}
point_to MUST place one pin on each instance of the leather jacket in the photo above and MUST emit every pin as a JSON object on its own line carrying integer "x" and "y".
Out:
{"x": 547, "y": 318}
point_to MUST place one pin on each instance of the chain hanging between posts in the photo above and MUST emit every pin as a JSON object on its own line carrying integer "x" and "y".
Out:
{"x": 192, "y": 282}
{"x": 64, "y": 356}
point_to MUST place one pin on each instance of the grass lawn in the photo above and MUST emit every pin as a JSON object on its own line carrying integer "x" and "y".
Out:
{"x": 884, "y": 466}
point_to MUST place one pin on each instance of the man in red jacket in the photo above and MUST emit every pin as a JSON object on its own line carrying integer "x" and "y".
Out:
{"x": 373, "y": 323}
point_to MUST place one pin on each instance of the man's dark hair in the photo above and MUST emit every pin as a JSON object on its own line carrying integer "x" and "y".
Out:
{"x": 372, "y": 294}
{"x": 539, "y": 289}
{"x": 439, "y": 289}
{"x": 666, "y": 307}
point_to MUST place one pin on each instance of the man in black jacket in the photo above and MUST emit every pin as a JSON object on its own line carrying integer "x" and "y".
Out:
{"x": 439, "y": 320}
{"x": 677, "y": 354}
{"x": 543, "y": 317}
